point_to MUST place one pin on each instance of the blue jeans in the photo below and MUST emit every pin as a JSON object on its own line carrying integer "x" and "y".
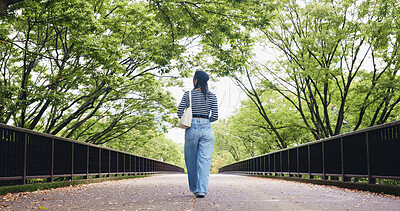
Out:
{"x": 199, "y": 145}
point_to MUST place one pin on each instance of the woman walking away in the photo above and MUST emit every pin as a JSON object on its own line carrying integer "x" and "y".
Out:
{"x": 199, "y": 138}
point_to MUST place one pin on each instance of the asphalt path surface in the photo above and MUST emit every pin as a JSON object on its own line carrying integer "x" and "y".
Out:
{"x": 226, "y": 192}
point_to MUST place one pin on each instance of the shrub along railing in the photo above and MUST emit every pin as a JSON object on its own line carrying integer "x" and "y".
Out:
{"x": 372, "y": 153}
{"x": 26, "y": 154}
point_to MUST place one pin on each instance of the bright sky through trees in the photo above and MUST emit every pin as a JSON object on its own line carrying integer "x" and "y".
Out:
{"x": 228, "y": 95}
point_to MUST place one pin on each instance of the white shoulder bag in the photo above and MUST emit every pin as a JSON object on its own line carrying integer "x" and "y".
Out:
{"x": 186, "y": 119}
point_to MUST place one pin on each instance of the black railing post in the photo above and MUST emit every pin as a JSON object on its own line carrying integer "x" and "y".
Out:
{"x": 288, "y": 162}
{"x": 264, "y": 169}
{"x": 146, "y": 166}
{"x": 117, "y": 164}
{"x": 142, "y": 166}
{"x": 342, "y": 159}
{"x": 52, "y": 160}
{"x": 248, "y": 166}
{"x": 130, "y": 164}
{"x": 255, "y": 163}
{"x": 309, "y": 161}
{"x": 87, "y": 162}
{"x": 99, "y": 163}
{"x": 135, "y": 165}
{"x": 323, "y": 161}
{"x": 370, "y": 179}
{"x": 25, "y": 157}
{"x": 151, "y": 166}
{"x": 109, "y": 163}
{"x": 274, "y": 164}
{"x": 72, "y": 160}
{"x": 280, "y": 162}
{"x": 252, "y": 165}
{"x": 269, "y": 166}
{"x": 124, "y": 163}
{"x": 298, "y": 162}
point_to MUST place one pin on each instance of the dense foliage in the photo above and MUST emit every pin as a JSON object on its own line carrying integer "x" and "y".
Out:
{"x": 97, "y": 71}
{"x": 333, "y": 68}
{"x": 85, "y": 70}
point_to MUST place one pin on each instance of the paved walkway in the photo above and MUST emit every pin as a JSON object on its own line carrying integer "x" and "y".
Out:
{"x": 227, "y": 192}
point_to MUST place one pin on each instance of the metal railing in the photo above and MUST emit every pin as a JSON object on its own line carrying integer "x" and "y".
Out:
{"x": 26, "y": 154}
{"x": 371, "y": 153}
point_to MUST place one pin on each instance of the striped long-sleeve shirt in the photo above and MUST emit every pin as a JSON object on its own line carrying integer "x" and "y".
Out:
{"x": 200, "y": 105}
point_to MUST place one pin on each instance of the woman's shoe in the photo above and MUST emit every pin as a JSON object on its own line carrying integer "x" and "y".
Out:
{"x": 200, "y": 195}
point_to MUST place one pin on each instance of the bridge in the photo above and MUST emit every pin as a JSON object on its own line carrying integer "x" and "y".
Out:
{"x": 368, "y": 156}
{"x": 227, "y": 192}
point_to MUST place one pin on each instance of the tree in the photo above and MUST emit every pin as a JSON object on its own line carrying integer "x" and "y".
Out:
{"x": 221, "y": 28}
{"x": 84, "y": 69}
{"x": 246, "y": 133}
{"x": 336, "y": 71}
{"x": 226, "y": 142}
{"x": 379, "y": 86}
{"x": 323, "y": 71}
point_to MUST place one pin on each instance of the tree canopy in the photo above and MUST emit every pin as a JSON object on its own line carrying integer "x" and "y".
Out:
{"x": 98, "y": 71}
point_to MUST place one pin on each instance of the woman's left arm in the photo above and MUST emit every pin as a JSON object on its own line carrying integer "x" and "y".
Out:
{"x": 182, "y": 105}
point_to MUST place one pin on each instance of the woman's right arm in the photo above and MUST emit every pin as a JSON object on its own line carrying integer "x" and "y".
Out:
{"x": 214, "y": 109}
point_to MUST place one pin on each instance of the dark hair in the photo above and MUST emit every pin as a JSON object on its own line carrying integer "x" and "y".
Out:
{"x": 202, "y": 78}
